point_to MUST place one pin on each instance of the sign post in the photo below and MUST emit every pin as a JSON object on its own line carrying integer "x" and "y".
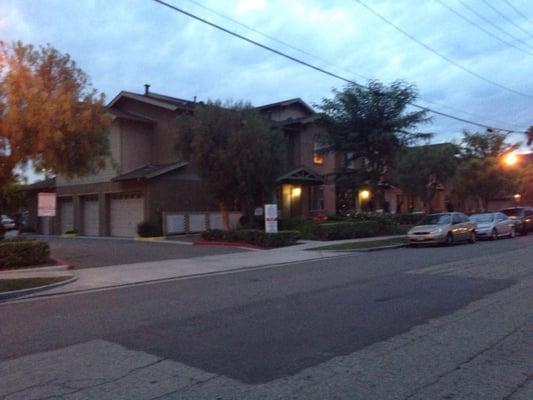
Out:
{"x": 271, "y": 218}
{"x": 46, "y": 204}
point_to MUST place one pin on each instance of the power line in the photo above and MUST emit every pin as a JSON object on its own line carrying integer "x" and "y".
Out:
{"x": 314, "y": 67}
{"x": 446, "y": 58}
{"x": 481, "y": 28}
{"x": 302, "y": 51}
{"x": 492, "y": 24}
{"x": 517, "y": 11}
{"x": 505, "y": 17}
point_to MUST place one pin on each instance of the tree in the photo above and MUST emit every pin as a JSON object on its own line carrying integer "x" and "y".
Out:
{"x": 481, "y": 174}
{"x": 11, "y": 198}
{"x": 369, "y": 125}
{"x": 238, "y": 155}
{"x": 529, "y": 135}
{"x": 420, "y": 170}
{"x": 50, "y": 116}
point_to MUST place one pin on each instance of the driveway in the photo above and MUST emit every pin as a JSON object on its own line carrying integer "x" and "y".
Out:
{"x": 101, "y": 252}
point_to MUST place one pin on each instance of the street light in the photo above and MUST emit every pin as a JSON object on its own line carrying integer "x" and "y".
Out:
{"x": 510, "y": 159}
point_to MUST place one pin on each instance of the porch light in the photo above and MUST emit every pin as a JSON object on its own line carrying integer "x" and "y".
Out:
{"x": 296, "y": 192}
{"x": 365, "y": 194}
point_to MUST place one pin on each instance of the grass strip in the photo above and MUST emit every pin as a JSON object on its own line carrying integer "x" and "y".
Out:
{"x": 363, "y": 245}
{"x": 7, "y": 285}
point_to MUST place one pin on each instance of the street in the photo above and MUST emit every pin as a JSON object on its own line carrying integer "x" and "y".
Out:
{"x": 430, "y": 323}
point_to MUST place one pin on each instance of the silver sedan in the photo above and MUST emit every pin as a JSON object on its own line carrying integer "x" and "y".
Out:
{"x": 493, "y": 225}
{"x": 443, "y": 228}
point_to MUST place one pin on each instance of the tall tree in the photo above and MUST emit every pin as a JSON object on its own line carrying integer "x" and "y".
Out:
{"x": 238, "y": 154}
{"x": 529, "y": 136}
{"x": 482, "y": 175}
{"x": 420, "y": 170}
{"x": 369, "y": 126}
{"x": 50, "y": 116}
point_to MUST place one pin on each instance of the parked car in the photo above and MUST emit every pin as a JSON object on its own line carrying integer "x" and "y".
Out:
{"x": 522, "y": 217}
{"x": 7, "y": 222}
{"x": 445, "y": 228}
{"x": 493, "y": 225}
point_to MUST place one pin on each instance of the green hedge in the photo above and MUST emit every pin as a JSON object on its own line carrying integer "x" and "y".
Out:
{"x": 19, "y": 252}
{"x": 347, "y": 230}
{"x": 149, "y": 229}
{"x": 253, "y": 236}
{"x": 306, "y": 226}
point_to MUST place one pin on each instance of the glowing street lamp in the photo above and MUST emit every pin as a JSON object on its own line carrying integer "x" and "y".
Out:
{"x": 510, "y": 159}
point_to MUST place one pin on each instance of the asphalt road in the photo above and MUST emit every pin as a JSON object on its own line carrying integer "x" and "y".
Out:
{"x": 261, "y": 325}
{"x": 89, "y": 253}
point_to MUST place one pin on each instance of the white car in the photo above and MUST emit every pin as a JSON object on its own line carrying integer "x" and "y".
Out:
{"x": 445, "y": 228}
{"x": 493, "y": 225}
{"x": 7, "y": 222}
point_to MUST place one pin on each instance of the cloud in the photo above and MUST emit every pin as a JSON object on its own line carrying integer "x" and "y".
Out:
{"x": 123, "y": 45}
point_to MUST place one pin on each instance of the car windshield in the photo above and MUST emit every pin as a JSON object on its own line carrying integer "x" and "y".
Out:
{"x": 436, "y": 219}
{"x": 513, "y": 212}
{"x": 482, "y": 218}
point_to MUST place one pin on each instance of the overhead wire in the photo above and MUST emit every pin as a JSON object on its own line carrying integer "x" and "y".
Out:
{"x": 481, "y": 28}
{"x": 506, "y": 18}
{"x": 517, "y": 11}
{"x": 444, "y": 57}
{"x": 319, "y": 69}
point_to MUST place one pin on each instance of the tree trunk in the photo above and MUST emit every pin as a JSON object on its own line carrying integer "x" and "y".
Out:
{"x": 225, "y": 216}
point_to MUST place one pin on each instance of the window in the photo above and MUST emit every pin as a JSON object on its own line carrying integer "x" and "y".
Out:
{"x": 318, "y": 156}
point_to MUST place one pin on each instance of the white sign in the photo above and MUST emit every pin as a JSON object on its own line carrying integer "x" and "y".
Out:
{"x": 271, "y": 218}
{"x": 46, "y": 205}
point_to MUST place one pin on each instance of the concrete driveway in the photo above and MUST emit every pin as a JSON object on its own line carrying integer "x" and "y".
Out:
{"x": 101, "y": 252}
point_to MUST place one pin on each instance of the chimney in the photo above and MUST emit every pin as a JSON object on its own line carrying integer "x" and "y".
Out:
{"x": 146, "y": 89}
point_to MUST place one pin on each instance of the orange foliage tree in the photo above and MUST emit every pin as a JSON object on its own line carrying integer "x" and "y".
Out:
{"x": 50, "y": 116}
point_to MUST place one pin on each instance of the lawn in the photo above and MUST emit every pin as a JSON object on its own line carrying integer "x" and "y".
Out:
{"x": 363, "y": 245}
{"x": 7, "y": 285}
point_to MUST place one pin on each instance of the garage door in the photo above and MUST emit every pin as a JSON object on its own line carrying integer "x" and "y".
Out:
{"x": 91, "y": 223}
{"x": 66, "y": 215}
{"x": 126, "y": 211}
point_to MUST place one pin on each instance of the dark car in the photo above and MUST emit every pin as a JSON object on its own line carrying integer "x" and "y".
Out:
{"x": 522, "y": 217}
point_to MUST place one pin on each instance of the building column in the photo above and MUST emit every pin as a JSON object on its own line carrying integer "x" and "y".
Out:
{"x": 103, "y": 214}
{"x": 77, "y": 220}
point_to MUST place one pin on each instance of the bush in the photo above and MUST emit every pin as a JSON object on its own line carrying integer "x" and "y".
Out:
{"x": 347, "y": 230}
{"x": 149, "y": 229}
{"x": 253, "y": 236}
{"x": 2, "y": 231}
{"x": 305, "y": 226}
{"x": 213, "y": 235}
{"x": 408, "y": 219}
{"x": 23, "y": 252}
{"x": 70, "y": 232}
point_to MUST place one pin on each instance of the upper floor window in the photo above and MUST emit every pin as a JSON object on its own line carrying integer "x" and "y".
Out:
{"x": 318, "y": 156}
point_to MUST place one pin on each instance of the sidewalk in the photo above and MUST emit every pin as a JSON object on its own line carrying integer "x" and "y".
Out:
{"x": 127, "y": 274}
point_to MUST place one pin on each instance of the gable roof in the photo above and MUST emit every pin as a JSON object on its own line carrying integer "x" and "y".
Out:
{"x": 45, "y": 184}
{"x": 130, "y": 116}
{"x": 286, "y": 103}
{"x": 155, "y": 99}
{"x": 150, "y": 171}
{"x": 301, "y": 175}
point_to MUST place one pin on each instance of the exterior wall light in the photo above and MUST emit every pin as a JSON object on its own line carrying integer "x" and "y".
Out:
{"x": 364, "y": 194}
{"x": 296, "y": 192}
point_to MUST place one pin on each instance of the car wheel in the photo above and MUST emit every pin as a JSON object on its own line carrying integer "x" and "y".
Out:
{"x": 449, "y": 239}
{"x": 512, "y": 234}
{"x": 494, "y": 235}
{"x": 472, "y": 238}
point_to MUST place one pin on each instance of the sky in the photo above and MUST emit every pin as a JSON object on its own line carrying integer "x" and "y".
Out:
{"x": 124, "y": 44}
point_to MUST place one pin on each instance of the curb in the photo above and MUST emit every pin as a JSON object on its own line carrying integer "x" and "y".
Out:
{"x": 368, "y": 250}
{"x": 22, "y": 292}
{"x": 227, "y": 244}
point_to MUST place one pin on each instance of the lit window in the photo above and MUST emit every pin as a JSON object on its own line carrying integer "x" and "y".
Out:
{"x": 318, "y": 156}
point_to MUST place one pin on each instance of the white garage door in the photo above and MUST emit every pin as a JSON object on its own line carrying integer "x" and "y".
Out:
{"x": 66, "y": 215}
{"x": 126, "y": 211}
{"x": 91, "y": 223}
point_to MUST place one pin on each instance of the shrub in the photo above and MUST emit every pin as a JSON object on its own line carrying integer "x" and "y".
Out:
{"x": 253, "y": 236}
{"x": 70, "y": 232}
{"x": 305, "y": 226}
{"x": 23, "y": 252}
{"x": 347, "y": 230}
{"x": 149, "y": 229}
{"x": 408, "y": 219}
{"x": 213, "y": 235}
{"x": 2, "y": 231}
